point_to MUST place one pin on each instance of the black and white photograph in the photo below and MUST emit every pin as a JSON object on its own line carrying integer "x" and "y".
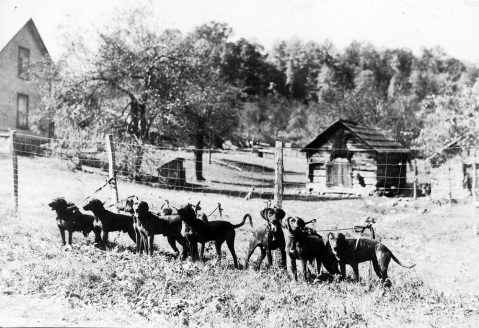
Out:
{"x": 255, "y": 163}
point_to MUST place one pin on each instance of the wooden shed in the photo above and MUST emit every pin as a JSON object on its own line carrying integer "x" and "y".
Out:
{"x": 351, "y": 158}
{"x": 173, "y": 173}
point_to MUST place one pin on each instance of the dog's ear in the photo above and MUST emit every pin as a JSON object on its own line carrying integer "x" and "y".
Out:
{"x": 147, "y": 207}
{"x": 311, "y": 221}
{"x": 264, "y": 213}
{"x": 288, "y": 224}
{"x": 301, "y": 223}
{"x": 341, "y": 237}
{"x": 279, "y": 213}
{"x": 330, "y": 236}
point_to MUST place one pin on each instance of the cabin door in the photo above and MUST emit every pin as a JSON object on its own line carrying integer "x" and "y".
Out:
{"x": 339, "y": 174}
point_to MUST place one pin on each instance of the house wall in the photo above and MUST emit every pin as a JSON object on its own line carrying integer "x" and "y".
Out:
{"x": 363, "y": 162}
{"x": 451, "y": 177}
{"x": 11, "y": 84}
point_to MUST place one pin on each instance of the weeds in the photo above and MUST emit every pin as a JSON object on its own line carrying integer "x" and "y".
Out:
{"x": 171, "y": 292}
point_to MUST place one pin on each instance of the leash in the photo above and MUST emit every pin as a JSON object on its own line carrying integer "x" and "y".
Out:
{"x": 111, "y": 181}
{"x": 122, "y": 200}
{"x": 219, "y": 209}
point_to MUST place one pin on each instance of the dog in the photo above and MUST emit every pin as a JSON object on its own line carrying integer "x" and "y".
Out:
{"x": 127, "y": 207}
{"x": 353, "y": 251}
{"x": 268, "y": 237}
{"x": 150, "y": 225}
{"x": 106, "y": 221}
{"x": 187, "y": 229}
{"x": 310, "y": 246}
{"x": 218, "y": 231}
{"x": 70, "y": 218}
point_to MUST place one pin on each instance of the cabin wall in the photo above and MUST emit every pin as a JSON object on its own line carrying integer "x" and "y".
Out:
{"x": 363, "y": 163}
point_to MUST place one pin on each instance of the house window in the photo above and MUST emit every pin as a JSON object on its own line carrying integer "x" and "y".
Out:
{"x": 23, "y": 62}
{"x": 22, "y": 111}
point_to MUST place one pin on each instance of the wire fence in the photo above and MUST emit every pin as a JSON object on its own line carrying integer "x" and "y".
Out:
{"x": 241, "y": 178}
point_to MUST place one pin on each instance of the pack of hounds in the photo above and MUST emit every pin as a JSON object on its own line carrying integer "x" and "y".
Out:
{"x": 189, "y": 227}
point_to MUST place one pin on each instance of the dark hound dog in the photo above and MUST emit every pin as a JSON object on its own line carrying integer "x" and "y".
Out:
{"x": 353, "y": 251}
{"x": 218, "y": 231}
{"x": 127, "y": 207}
{"x": 150, "y": 225}
{"x": 268, "y": 237}
{"x": 309, "y": 247}
{"x": 106, "y": 221}
{"x": 187, "y": 230}
{"x": 70, "y": 218}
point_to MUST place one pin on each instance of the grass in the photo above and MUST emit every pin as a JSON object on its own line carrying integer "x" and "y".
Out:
{"x": 43, "y": 283}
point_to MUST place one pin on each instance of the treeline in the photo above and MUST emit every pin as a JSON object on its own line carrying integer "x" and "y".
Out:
{"x": 296, "y": 89}
{"x": 200, "y": 89}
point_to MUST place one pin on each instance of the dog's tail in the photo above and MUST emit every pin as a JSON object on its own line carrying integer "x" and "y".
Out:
{"x": 244, "y": 220}
{"x": 399, "y": 262}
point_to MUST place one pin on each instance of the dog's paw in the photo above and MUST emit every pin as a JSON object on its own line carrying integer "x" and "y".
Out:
{"x": 387, "y": 283}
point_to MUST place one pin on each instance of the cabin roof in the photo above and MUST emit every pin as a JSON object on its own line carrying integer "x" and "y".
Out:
{"x": 377, "y": 139}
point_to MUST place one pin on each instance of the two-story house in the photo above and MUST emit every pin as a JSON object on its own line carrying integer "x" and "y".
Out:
{"x": 19, "y": 95}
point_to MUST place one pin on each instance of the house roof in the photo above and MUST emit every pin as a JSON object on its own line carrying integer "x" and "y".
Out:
{"x": 4, "y": 41}
{"x": 375, "y": 138}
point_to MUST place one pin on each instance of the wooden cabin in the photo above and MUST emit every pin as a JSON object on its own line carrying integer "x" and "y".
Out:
{"x": 351, "y": 158}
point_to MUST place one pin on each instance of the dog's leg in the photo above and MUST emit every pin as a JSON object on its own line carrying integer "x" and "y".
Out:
{"x": 172, "y": 242}
{"x": 138, "y": 241}
{"x": 182, "y": 241}
{"x": 250, "y": 252}
{"x": 70, "y": 236}
{"x": 293, "y": 268}
{"x": 105, "y": 238}
{"x": 144, "y": 243}
{"x": 283, "y": 257}
{"x": 97, "y": 232}
{"x": 354, "y": 266}
{"x": 377, "y": 269}
{"x": 231, "y": 246}
{"x": 202, "y": 252}
{"x": 218, "y": 251}
{"x": 150, "y": 244}
{"x": 304, "y": 263}
{"x": 318, "y": 265}
{"x": 193, "y": 247}
{"x": 62, "y": 233}
{"x": 342, "y": 268}
{"x": 384, "y": 270}
{"x": 270, "y": 257}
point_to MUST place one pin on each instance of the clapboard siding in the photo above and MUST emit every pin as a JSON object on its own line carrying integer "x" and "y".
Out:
{"x": 340, "y": 157}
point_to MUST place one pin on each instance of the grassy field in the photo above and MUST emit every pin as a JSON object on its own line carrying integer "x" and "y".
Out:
{"x": 44, "y": 284}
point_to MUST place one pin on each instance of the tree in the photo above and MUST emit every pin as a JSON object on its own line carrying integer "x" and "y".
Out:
{"x": 128, "y": 84}
{"x": 448, "y": 118}
{"x": 209, "y": 108}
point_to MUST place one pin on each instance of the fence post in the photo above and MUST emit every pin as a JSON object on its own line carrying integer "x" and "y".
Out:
{"x": 474, "y": 198}
{"x": 415, "y": 180}
{"x": 111, "y": 171}
{"x": 13, "y": 154}
{"x": 278, "y": 188}
{"x": 278, "y": 175}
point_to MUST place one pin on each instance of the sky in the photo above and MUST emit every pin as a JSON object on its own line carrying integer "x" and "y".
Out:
{"x": 412, "y": 24}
